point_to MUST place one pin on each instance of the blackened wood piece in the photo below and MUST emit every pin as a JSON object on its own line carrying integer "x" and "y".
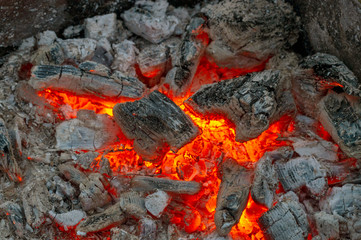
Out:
{"x": 7, "y": 160}
{"x": 232, "y": 195}
{"x": 111, "y": 217}
{"x": 70, "y": 79}
{"x": 331, "y": 69}
{"x": 286, "y": 220}
{"x": 150, "y": 184}
{"x": 251, "y": 102}
{"x": 189, "y": 53}
{"x": 265, "y": 181}
{"x": 341, "y": 117}
{"x": 156, "y": 124}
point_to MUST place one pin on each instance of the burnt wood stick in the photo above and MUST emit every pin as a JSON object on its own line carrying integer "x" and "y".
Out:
{"x": 8, "y": 162}
{"x": 111, "y": 217}
{"x": 149, "y": 184}
{"x": 156, "y": 124}
{"x": 232, "y": 196}
{"x": 80, "y": 82}
{"x": 251, "y": 102}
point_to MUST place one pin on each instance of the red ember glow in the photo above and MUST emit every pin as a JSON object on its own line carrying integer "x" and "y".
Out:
{"x": 197, "y": 161}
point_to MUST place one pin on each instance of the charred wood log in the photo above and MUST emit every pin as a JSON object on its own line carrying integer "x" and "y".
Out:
{"x": 341, "y": 117}
{"x": 156, "y": 124}
{"x": 246, "y": 33}
{"x": 329, "y": 70}
{"x": 8, "y": 162}
{"x": 111, "y": 217}
{"x": 286, "y": 220}
{"x": 303, "y": 171}
{"x": 251, "y": 102}
{"x": 265, "y": 180}
{"x": 70, "y": 79}
{"x": 190, "y": 51}
{"x": 150, "y": 184}
{"x": 232, "y": 195}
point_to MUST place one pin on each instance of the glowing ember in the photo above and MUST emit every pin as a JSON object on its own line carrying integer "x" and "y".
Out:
{"x": 196, "y": 161}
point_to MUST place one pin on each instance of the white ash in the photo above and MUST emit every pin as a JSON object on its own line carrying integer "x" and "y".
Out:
{"x": 125, "y": 57}
{"x": 92, "y": 132}
{"x": 28, "y": 43}
{"x": 157, "y": 202}
{"x": 327, "y": 226}
{"x": 183, "y": 16}
{"x": 78, "y": 49}
{"x": 46, "y": 38}
{"x": 73, "y": 31}
{"x": 102, "y": 26}
{"x": 67, "y": 220}
{"x": 150, "y": 21}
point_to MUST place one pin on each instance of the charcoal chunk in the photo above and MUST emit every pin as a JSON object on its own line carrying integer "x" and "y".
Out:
{"x": 8, "y": 162}
{"x": 303, "y": 171}
{"x": 36, "y": 203}
{"x": 132, "y": 204}
{"x": 246, "y": 33}
{"x": 232, "y": 195}
{"x": 329, "y": 69}
{"x": 189, "y": 53}
{"x": 156, "y": 124}
{"x": 78, "y": 49}
{"x": 52, "y": 54}
{"x": 340, "y": 115}
{"x": 103, "y": 26}
{"x": 149, "y": 20}
{"x": 70, "y": 79}
{"x": 265, "y": 180}
{"x": 150, "y": 184}
{"x": 251, "y": 102}
{"x": 286, "y": 220}
{"x": 111, "y": 217}
{"x": 15, "y": 215}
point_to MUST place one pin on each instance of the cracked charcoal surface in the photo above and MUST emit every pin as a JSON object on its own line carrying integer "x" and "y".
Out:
{"x": 251, "y": 102}
{"x": 265, "y": 180}
{"x": 232, "y": 196}
{"x": 341, "y": 117}
{"x": 286, "y": 220}
{"x": 70, "y": 79}
{"x": 303, "y": 171}
{"x": 331, "y": 69}
{"x": 245, "y": 33}
{"x": 189, "y": 53}
{"x": 156, "y": 124}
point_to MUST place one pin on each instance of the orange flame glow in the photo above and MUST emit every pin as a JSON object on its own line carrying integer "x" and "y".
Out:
{"x": 196, "y": 161}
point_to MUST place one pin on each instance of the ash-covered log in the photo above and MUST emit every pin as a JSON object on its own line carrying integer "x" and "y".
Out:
{"x": 8, "y": 162}
{"x": 251, "y": 102}
{"x": 246, "y": 33}
{"x": 156, "y": 124}
{"x": 341, "y": 117}
{"x": 286, "y": 220}
{"x": 151, "y": 184}
{"x": 232, "y": 195}
{"x": 70, "y": 79}
{"x": 111, "y": 217}
{"x": 265, "y": 180}
{"x": 189, "y": 52}
{"x": 133, "y": 204}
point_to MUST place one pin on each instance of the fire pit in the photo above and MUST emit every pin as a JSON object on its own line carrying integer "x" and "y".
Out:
{"x": 179, "y": 123}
